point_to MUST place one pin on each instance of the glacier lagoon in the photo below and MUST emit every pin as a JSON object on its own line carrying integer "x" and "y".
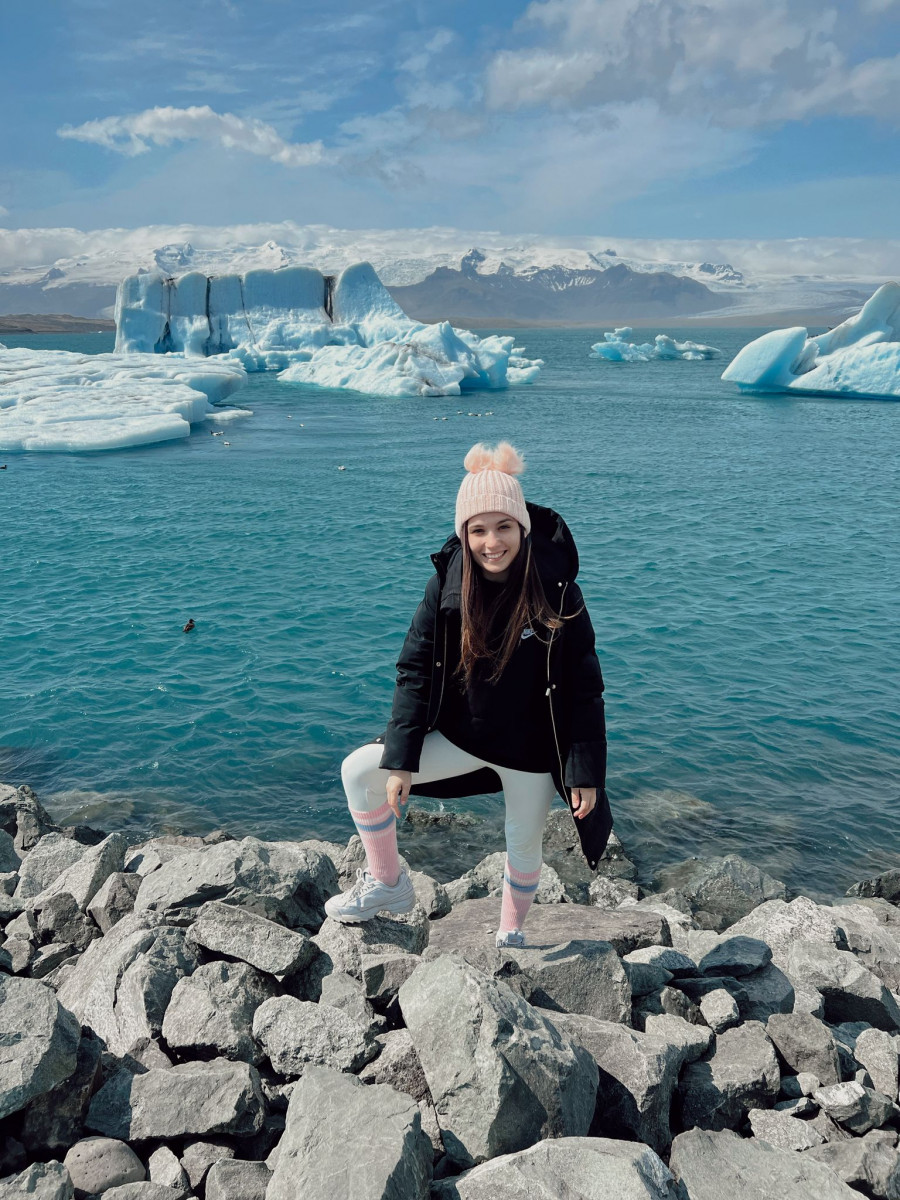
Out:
{"x": 739, "y": 562}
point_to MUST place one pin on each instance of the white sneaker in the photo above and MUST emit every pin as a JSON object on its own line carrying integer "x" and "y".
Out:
{"x": 514, "y": 938}
{"x": 369, "y": 896}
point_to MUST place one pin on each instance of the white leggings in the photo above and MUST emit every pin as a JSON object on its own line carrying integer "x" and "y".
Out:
{"x": 528, "y": 794}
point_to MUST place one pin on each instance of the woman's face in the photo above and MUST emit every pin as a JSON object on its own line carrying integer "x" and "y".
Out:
{"x": 494, "y": 540}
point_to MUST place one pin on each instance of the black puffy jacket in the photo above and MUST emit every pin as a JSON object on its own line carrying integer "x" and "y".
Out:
{"x": 574, "y": 681}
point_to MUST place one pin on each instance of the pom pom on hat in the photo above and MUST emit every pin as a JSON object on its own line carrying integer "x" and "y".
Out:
{"x": 491, "y": 485}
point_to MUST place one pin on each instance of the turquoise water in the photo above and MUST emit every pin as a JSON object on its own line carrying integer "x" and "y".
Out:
{"x": 739, "y": 558}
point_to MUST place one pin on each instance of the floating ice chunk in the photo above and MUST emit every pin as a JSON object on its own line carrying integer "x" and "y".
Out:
{"x": 60, "y": 401}
{"x": 860, "y": 357}
{"x": 346, "y": 333}
{"x": 616, "y": 348}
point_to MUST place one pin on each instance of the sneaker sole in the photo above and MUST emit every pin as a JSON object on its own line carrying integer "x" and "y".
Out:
{"x": 361, "y": 920}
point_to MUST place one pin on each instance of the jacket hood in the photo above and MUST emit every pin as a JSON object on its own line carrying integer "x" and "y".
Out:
{"x": 552, "y": 545}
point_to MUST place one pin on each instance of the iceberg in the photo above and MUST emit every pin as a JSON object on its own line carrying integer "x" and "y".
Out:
{"x": 342, "y": 331}
{"x": 55, "y": 400}
{"x": 858, "y": 358}
{"x": 616, "y": 348}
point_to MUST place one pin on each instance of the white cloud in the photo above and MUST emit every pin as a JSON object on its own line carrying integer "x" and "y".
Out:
{"x": 134, "y": 134}
{"x": 740, "y": 62}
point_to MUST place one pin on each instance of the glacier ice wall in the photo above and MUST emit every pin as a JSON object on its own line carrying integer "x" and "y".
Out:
{"x": 615, "y": 347}
{"x": 60, "y": 401}
{"x": 342, "y": 331}
{"x": 860, "y": 357}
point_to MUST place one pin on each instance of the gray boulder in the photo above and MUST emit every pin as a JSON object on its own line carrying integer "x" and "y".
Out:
{"x": 193, "y": 1099}
{"x": 343, "y": 991}
{"x": 873, "y": 934}
{"x": 324, "y": 1106}
{"x": 610, "y": 893}
{"x": 431, "y": 894}
{"x": 397, "y": 1064}
{"x": 50, "y": 858}
{"x": 122, "y": 984}
{"x": 577, "y": 977}
{"x": 295, "y": 878}
{"x": 164, "y": 1168}
{"x": 638, "y": 1074}
{"x": 741, "y": 1073}
{"x": 723, "y": 889}
{"x": 780, "y": 924}
{"x": 782, "y": 1130}
{"x": 668, "y": 1001}
{"x": 294, "y": 1033}
{"x": 341, "y": 947}
{"x": 23, "y": 817}
{"x": 384, "y": 974}
{"x": 853, "y": 1106}
{"x": 263, "y": 944}
{"x": 212, "y": 1011}
{"x": 473, "y": 923}
{"x": 61, "y": 921}
{"x": 573, "y": 1167}
{"x": 96, "y": 1164}
{"x": 737, "y": 956}
{"x": 53, "y": 1122}
{"x": 232, "y": 1179}
{"x": 500, "y": 1074}
{"x": 850, "y": 991}
{"x": 9, "y": 856}
{"x": 678, "y": 965}
{"x": 870, "y": 1164}
{"x": 765, "y": 992}
{"x": 18, "y": 954}
{"x": 720, "y": 1010}
{"x": 885, "y": 885}
{"x": 876, "y": 1051}
{"x": 644, "y": 978}
{"x": 486, "y": 879}
{"x": 85, "y": 877}
{"x": 43, "y": 1181}
{"x": 199, "y": 1157}
{"x": 143, "y": 1191}
{"x": 114, "y": 899}
{"x": 38, "y": 1042}
{"x": 712, "y": 1165}
{"x": 806, "y": 1045}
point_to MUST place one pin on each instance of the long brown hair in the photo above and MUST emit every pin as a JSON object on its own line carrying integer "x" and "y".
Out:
{"x": 529, "y": 607}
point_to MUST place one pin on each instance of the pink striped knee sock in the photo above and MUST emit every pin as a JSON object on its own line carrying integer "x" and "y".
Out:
{"x": 378, "y": 831}
{"x": 519, "y": 888}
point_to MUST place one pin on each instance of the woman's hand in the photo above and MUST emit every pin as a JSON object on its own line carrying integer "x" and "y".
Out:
{"x": 583, "y": 801}
{"x": 398, "y": 785}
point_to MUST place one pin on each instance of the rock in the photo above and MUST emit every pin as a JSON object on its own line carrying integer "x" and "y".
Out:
{"x": 383, "y": 974}
{"x": 473, "y": 923}
{"x": 397, "y": 1064}
{"x": 486, "y": 879}
{"x": 114, "y": 899}
{"x": 343, "y": 991}
{"x": 804, "y": 1083}
{"x": 886, "y": 885}
{"x": 164, "y": 1168}
{"x": 697, "y": 943}
{"x": 23, "y": 817}
{"x": 783, "y": 1131}
{"x": 741, "y": 1073}
{"x": 669, "y": 1001}
{"x": 431, "y": 895}
{"x": 712, "y": 1165}
{"x": 724, "y": 888}
{"x": 342, "y": 946}
{"x": 870, "y": 1164}
{"x": 500, "y": 1074}
{"x": 875, "y": 1050}
{"x": 96, "y": 1164}
{"x": 49, "y": 958}
{"x": 122, "y": 984}
{"x": 61, "y": 920}
{"x": 8, "y": 882}
{"x": 692, "y": 1040}
{"x": 830, "y": 1130}
{"x": 575, "y": 1168}
{"x": 875, "y": 943}
{"x": 10, "y": 859}
{"x": 853, "y": 1106}
{"x": 677, "y": 964}
{"x": 805, "y": 1044}
{"x": 577, "y": 977}
{"x": 779, "y": 925}
{"x": 19, "y": 954}
{"x": 54, "y": 1120}
{"x": 644, "y": 978}
{"x": 231, "y": 1179}
{"x": 38, "y": 1042}
{"x": 24, "y": 927}
{"x": 43, "y": 1181}
{"x": 198, "y": 1157}
{"x": 850, "y": 991}
{"x": 808, "y": 999}
{"x": 143, "y": 1191}
{"x": 737, "y": 956}
{"x": 720, "y": 1010}
{"x": 296, "y": 878}
{"x": 294, "y": 1033}
{"x": 190, "y": 1100}
{"x": 13, "y": 1157}
{"x": 85, "y": 877}
{"x": 324, "y": 1106}
{"x": 212, "y": 1011}
{"x": 150, "y": 855}
{"x": 263, "y": 944}
{"x": 638, "y": 1074}
{"x": 804, "y": 1106}
{"x": 610, "y": 893}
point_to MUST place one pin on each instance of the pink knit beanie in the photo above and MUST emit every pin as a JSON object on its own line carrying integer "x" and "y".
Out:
{"x": 491, "y": 485}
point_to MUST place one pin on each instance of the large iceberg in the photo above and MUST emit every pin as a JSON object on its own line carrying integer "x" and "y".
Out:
{"x": 57, "y": 400}
{"x": 615, "y": 347}
{"x": 342, "y": 331}
{"x": 860, "y": 357}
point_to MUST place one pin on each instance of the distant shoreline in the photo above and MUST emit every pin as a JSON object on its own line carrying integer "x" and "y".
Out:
{"x": 53, "y": 323}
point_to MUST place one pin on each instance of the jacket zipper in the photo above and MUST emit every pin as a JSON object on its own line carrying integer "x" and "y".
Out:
{"x": 562, "y": 603}
{"x": 442, "y": 667}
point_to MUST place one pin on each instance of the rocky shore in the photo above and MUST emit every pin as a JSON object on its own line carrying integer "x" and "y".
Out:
{"x": 179, "y": 1019}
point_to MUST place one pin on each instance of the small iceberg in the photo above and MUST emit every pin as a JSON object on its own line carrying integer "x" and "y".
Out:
{"x": 859, "y": 358}
{"x": 55, "y": 400}
{"x": 342, "y": 331}
{"x": 617, "y": 348}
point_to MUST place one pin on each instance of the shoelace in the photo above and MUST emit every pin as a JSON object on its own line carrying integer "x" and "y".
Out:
{"x": 364, "y": 883}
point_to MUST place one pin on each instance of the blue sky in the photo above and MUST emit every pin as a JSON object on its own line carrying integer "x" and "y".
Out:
{"x": 640, "y": 118}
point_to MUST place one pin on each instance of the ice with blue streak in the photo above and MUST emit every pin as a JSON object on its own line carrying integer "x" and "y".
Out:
{"x": 616, "y": 347}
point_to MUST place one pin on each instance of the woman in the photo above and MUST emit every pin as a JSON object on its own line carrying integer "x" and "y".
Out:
{"x": 498, "y": 686}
